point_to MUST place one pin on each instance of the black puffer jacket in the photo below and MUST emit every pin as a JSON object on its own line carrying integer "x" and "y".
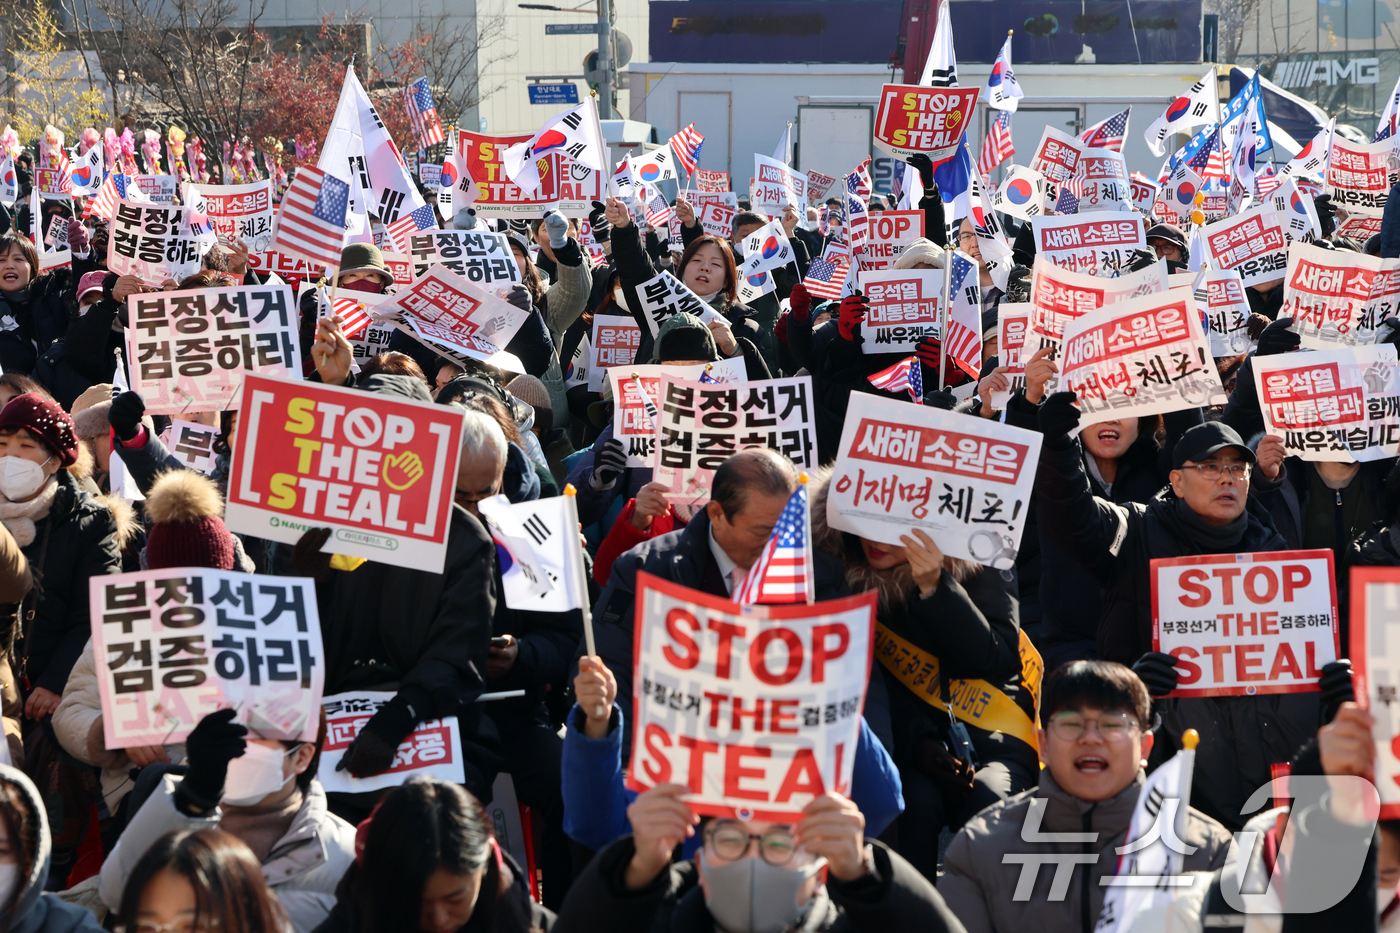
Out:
{"x": 32, "y": 319}
{"x": 77, "y": 540}
{"x": 1240, "y": 736}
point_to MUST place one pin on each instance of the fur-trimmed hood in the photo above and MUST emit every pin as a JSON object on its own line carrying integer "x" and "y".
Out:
{"x": 893, "y": 585}
{"x": 124, "y": 515}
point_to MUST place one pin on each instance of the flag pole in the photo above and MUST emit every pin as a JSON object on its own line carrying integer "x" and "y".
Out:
{"x": 943, "y": 317}
{"x": 804, "y": 479}
{"x": 581, "y": 578}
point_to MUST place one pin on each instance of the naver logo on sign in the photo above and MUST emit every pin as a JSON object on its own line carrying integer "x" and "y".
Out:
{"x": 1329, "y": 71}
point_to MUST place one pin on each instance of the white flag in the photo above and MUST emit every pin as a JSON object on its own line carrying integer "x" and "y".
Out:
{"x": 87, "y": 172}
{"x": 1312, "y": 160}
{"x": 1386, "y": 127}
{"x": 343, "y": 154}
{"x": 538, "y": 547}
{"x": 991, "y": 237}
{"x": 1003, "y": 90}
{"x": 118, "y": 479}
{"x": 941, "y": 66}
{"x": 9, "y": 181}
{"x": 575, "y": 133}
{"x": 766, "y": 248}
{"x": 783, "y": 153}
{"x": 1154, "y": 855}
{"x": 1201, "y": 104}
{"x": 391, "y": 192}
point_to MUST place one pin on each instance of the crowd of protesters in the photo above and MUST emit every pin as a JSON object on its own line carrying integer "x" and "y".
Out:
{"x": 230, "y": 831}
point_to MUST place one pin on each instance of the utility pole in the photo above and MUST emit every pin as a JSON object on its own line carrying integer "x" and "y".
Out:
{"x": 606, "y": 111}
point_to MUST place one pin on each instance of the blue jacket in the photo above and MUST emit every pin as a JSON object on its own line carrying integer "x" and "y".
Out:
{"x": 595, "y": 800}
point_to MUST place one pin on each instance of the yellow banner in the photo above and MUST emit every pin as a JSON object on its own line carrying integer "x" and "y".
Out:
{"x": 975, "y": 702}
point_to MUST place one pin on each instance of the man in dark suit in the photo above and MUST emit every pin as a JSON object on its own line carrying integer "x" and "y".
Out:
{"x": 711, "y": 554}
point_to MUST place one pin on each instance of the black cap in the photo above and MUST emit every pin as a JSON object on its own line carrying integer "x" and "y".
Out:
{"x": 1169, "y": 232}
{"x": 1205, "y": 439}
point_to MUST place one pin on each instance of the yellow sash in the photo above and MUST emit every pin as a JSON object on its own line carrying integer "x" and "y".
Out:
{"x": 974, "y": 701}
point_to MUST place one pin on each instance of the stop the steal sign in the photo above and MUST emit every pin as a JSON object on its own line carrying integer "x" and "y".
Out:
{"x": 1246, "y": 624}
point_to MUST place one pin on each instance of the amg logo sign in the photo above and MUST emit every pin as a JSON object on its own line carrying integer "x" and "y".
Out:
{"x": 1327, "y": 71}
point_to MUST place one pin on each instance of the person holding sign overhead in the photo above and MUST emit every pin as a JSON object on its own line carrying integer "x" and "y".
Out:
{"x": 1207, "y": 509}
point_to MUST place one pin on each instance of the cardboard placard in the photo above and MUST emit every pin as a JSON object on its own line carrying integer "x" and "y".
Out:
{"x": 913, "y": 119}
{"x": 1013, "y": 344}
{"x": 1375, "y": 671}
{"x": 483, "y": 258}
{"x": 965, "y": 481}
{"x": 888, "y": 234}
{"x": 1360, "y": 175}
{"x": 614, "y": 342}
{"x": 1253, "y": 244}
{"x": 1246, "y": 624}
{"x": 1096, "y": 243}
{"x": 176, "y": 644}
{"x": 433, "y": 749}
{"x": 1221, "y": 292}
{"x": 1142, "y": 356}
{"x": 1338, "y": 298}
{"x": 904, "y": 308}
{"x": 496, "y": 194}
{"x": 153, "y": 242}
{"x": 703, "y": 668}
{"x": 1058, "y": 156}
{"x": 775, "y": 186}
{"x": 1340, "y": 404}
{"x": 1059, "y": 296}
{"x": 1103, "y": 177}
{"x": 442, "y": 297}
{"x": 632, "y": 426}
{"x": 193, "y": 443}
{"x": 190, "y": 350}
{"x": 379, "y": 470}
{"x": 665, "y": 296}
{"x": 243, "y": 212}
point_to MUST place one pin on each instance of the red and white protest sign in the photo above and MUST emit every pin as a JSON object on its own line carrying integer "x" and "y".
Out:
{"x": 904, "y": 307}
{"x": 1013, "y": 344}
{"x": 964, "y": 481}
{"x": 1246, "y": 624}
{"x": 615, "y": 341}
{"x": 706, "y": 180}
{"x": 482, "y": 257}
{"x": 1058, "y": 155}
{"x": 775, "y": 186}
{"x": 154, "y": 242}
{"x": 1375, "y": 671}
{"x": 579, "y": 187}
{"x": 1059, "y": 296}
{"x": 159, "y": 188}
{"x": 1252, "y": 243}
{"x": 1338, "y": 298}
{"x": 1360, "y": 175}
{"x": 176, "y": 644}
{"x": 1096, "y": 243}
{"x": 497, "y": 195}
{"x": 1227, "y": 310}
{"x": 401, "y": 265}
{"x": 818, "y": 185}
{"x": 633, "y": 427}
{"x": 930, "y": 120}
{"x": 756, "y": 709}
{"x": 243, "y": 212}
{"x": 1144, "y": 191}
{"x": 433, "y": 749}
{"x": 888, "y": 234}
{"x": 717, "y": 218}
{"x": 290, "y": 269}
{"x": 1341, "y": 404}
{"x": 442, "y": 297}
{"x": 1103, "y": 177}
{"x": 1142, "y": 356}
{"x": 443, "y": 336}
{"x": 379, "y": 470}
{"x": 1359, "y": 227}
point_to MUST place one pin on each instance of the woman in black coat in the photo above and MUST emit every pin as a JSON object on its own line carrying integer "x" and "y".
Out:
{"x": 35, "y": 307}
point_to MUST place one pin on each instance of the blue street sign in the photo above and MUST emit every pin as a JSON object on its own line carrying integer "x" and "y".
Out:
{"x": 553, "y": 93}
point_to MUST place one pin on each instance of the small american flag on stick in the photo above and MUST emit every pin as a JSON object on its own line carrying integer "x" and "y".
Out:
{"x": 311, "y": 223}
{"x": 783, "y": 572}
{"x": 418, "y": 101}
{"x": 902, "y": 376}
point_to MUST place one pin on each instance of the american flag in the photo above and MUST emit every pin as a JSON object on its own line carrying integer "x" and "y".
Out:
{"x": 1209, "y": 160}
{"x": 996, "y": 148}
{"x": 418, "y": 101}
{"x": 904, "y": 375}
{"x": 113, "y": 190}
{"x": 858, "y": 182}
{"x": 1267, "y": 181}
{"x": 1108, "y": 134}
{"x": 783, "y": 572}
{"x": 399, "y": 231}
{"x": 826, "y": 277}
{"x": 1066, "y": 202}
{"x": 964, "y": 343}
{"x": 353, "y": 316}
{"x": 311, "y": 222}
{"x": 685, "y": 145}
{"x": 658, "y": 212}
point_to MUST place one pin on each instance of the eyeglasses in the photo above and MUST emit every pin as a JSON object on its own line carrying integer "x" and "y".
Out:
{"x": 1112, "y": 727}
{"x": 729, "y": 841}
{"x": 1213, "y": 471}
{"x": 967, "y": 235}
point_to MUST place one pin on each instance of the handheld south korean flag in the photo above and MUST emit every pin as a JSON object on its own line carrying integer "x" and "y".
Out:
{"x": 1003, "y": 90}
{"x": 1201, "y": 104}
{"x": 1022, "y": 194}
{"x": 575, "y": 134}
{"x": 766, "y": 248}
{"x": 87, "y": 172}
{"x": 537, "y": 546}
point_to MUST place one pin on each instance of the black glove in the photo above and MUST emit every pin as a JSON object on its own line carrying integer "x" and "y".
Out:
{"x": 925, "y": 166}
{"x": 1157, "y": 671}
{"x": 373, "y": 750}
{"x": 943, "y": 398}
{"x": 1326, "y": 214}
{"x": 609, "y": 463}
{"x": 125, "y": 414}
{"x": 215, "y": 742}
{"x": 598, "y": 221}
{"x": 308, "y": 560}
{"x": 1336, "y": 687}
{"x": 1059, "y": 420}
{"x": 1392, "y": 334}
{"x": 1141, "y": 259}
{"x": 1277, "y": 338}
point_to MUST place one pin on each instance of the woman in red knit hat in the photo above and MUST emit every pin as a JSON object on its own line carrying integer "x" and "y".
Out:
{"x": 66, "y": 534}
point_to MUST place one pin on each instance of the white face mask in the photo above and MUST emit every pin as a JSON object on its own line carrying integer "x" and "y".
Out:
{"x": 21, "y": 478}
{"x": 621, "y": 298}
{"x": 255, "y": 774}
{"x": 1383, "y": 898}
{"x": 9, "y": 878}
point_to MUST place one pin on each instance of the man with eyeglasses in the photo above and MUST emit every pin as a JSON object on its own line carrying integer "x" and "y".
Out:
{"x": 1036, "y": 861}
{"x": 818, "y": 875}
{"x": 1206, "y": 509}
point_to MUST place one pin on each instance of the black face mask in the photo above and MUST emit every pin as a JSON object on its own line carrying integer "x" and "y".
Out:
{"x": 24, "y": 174}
